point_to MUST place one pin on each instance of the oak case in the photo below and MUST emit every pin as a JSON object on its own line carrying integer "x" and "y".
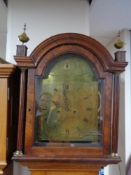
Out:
{"x": 58, "y": 157}
{"x": 9, "y": 97}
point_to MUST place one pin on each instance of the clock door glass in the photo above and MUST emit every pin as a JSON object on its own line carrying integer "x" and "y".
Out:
{"x": 68, "y": 102}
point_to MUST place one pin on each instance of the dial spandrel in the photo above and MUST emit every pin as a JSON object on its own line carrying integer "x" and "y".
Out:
{"x": 68, "y": 101}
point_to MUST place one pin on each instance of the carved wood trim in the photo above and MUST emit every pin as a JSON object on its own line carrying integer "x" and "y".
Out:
{"x": 21, "y": 110}
{"x": 6, "y": 70}
{"x": 115, "y": 123}
{"x": 83, "y": 41}
{"x": 87, "y": 166}
{"x": 107, "y": 159}
{"x": 24, "y": 61}
{"x": 56, "y": 52}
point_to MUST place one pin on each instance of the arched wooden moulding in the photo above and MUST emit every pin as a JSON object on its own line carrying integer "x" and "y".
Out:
{"x": 76, "y": 40}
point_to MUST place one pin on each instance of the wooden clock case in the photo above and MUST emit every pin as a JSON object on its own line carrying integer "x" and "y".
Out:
{"x": 56, "y": 159}
{"x": 9, "y": 97}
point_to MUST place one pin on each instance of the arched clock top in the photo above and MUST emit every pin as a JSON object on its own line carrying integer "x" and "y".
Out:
{"x": 69, "y": 50}
{"x": 75, "y": 43}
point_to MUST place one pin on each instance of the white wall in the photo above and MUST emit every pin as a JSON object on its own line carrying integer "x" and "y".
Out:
{"x": 3, "y": 25}
{"x": 124, "y": 146}
{"x": 45, "y": 18}
{"x": 127, "y": 38}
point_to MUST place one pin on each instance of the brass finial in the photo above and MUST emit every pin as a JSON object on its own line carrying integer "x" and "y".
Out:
{"x": 18, "y": 154}
{"x": 119, "y": 44}
{"x": 23, "y": 37}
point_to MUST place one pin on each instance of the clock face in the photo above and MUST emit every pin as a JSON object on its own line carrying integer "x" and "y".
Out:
{"x": 68, "y": 102}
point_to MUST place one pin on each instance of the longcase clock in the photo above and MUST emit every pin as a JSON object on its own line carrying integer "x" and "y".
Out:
{"x": 69, "y": 106}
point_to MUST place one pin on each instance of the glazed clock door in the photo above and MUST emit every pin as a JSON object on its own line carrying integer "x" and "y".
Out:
{"x": 68, "y": 103}
{"x": 65, "y": 105}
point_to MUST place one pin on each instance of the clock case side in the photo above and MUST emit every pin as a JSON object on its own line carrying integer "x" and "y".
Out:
{"x": 107, "y": 69}
{"x": 9, "y": 92}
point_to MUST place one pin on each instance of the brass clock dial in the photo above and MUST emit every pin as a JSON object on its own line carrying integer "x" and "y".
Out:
{"x": 68, "y": 102}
